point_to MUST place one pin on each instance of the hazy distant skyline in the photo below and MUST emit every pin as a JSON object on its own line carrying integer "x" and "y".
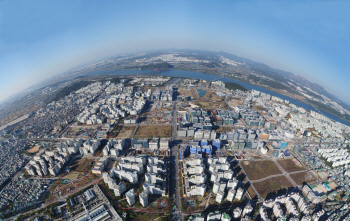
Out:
{"x": 40, "y": 39}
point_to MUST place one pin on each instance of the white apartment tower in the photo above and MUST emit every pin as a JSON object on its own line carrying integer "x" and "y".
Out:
{"x": 143, "y": 199}
{"x": 130, "y": 197}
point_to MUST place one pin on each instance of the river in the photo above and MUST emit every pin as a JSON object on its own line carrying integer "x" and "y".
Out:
{"x": 210, "y": 77}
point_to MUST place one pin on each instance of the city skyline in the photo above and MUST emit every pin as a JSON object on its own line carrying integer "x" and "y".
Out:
{"x": 45, "y": 39}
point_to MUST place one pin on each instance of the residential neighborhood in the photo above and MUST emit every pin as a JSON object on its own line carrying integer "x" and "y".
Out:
{"x": 191, "y": 150}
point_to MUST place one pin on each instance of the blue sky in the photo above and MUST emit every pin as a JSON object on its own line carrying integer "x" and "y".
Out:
{"x": 39, "y": 39}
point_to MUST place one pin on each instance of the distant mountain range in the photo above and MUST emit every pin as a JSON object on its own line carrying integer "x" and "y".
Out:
{"x": 297, "y": 78}
{"x": 263, "y": 75}
{"x": 313, "y": 86}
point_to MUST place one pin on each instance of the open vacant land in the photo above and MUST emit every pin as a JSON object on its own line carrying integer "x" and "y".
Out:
{"x": 71, "y": 176}
{"x": 251, "y": 192}
{"x": 274, "y": 185}
{"x": 79, "y": 132}
{"x": 82, "y": 165}
{"x": 153, "y": 130}
{"x": 211, "y": 95}
{"x": 235, "y": 102}
{"x": 34, "y": 149}
{"x": 211, "y": 105}
{"x": 184, "y": 92}
{"x": 300, "y": 178}
{"x": 81, "y": 181}
{"x": 121, "y": 131}
{"x": 257, "y": 170}
{"x": 224, "y": 129}
{"x": 290, "y": 166}
{"x": 64, "y": 189}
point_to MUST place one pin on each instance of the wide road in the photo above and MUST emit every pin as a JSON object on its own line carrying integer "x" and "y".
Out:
{"x": 174, "y": 122}
{"x": 174, "y": 167}
{"x": 175, "y": 187}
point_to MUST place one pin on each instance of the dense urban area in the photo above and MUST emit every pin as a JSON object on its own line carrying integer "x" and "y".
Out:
{"x": 156, "y": 147}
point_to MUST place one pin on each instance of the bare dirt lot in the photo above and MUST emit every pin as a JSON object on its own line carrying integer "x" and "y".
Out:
{"x": 121, "y": 131}
{"x": 79, "y": 131}
{"x": 251, "y": 192}
{"x": 156, "y": 118}
{"x": 64, "y": 189}
{"x": 81, "y": 181}
{"x": 212, "y": 96}
{"x": 224, "y": 129}
{"x": 235, "y": 102}
{"x": 256, "y": 170}
{"x": 211, "y": 105}
{"x": 290, "y": 166}
{"x": 34, "y": 149}
{"x": 71, "y": 176}
{"x": 274, "y": 185}
{"x": 82, "y": 165}
{"x": 153, "y": 130}
{"x": 300, "y": 178}
{"x": 184, "y": 92}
